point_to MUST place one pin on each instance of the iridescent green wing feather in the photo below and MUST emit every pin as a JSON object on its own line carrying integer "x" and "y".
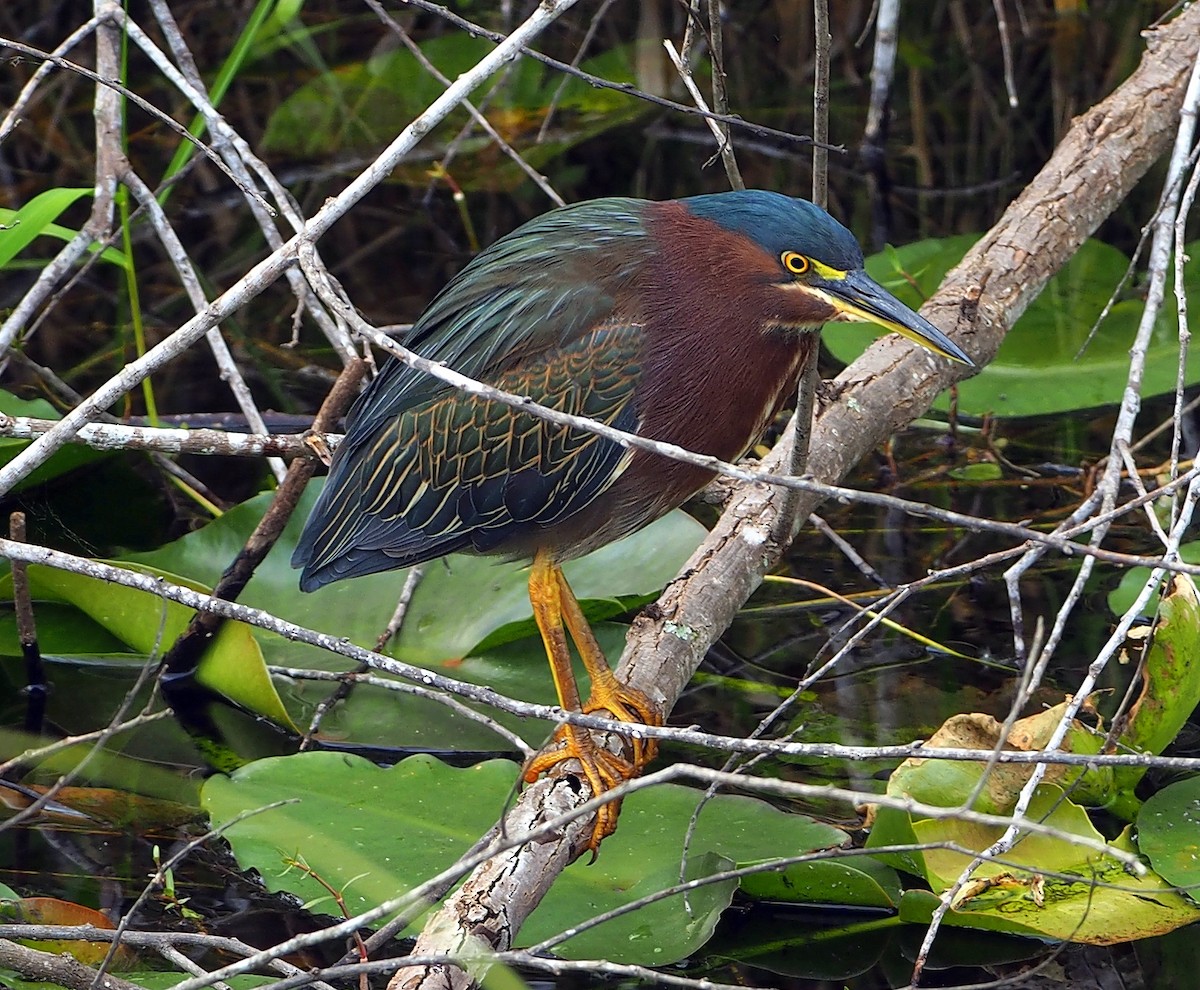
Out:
{"x": 461, "y": 473}
{"x": 545, "y": 284}
{"x": 425, "y": 470}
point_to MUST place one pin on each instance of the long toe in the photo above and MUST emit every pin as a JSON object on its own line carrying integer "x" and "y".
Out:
{"x": 602, "y": 769}
{"x": 629, "y": 705}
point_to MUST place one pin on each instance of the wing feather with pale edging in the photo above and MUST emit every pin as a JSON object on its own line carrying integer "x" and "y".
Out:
{"x": 424, "y": 470}
{"x": 462, "y": 473}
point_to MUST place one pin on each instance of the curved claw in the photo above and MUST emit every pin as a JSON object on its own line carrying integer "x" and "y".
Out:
{"x": 627, "y": 704}
{"x": 603, "y": 770}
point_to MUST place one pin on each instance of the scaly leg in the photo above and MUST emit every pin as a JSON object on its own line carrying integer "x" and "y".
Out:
{"x": 603, "y": 770}
{"x": 624, "y": 703}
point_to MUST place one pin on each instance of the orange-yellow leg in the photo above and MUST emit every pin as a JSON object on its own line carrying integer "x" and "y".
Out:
{"x": 553, "y": 602}
{"x": 624, "y": 703}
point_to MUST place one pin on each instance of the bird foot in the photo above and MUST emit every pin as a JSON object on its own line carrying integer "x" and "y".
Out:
{"x": 627, "y": 704}
{"x": 603, "y": 769}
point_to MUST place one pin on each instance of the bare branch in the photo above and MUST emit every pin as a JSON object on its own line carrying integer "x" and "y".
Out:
{"x": 270, "y": 268}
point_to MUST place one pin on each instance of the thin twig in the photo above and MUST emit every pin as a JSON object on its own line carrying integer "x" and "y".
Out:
{"x": 724, "y": 149}
{"x": 534, "y": 175}
{"x": 36, "y": 686}
{"x": 1010, "y": 84}
{"x": 277, "y": 263}
{"x": 824, "y": 41}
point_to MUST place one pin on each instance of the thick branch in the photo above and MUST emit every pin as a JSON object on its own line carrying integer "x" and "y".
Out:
{"x": 62, "y": 970}
{"x": 1105, "y": 153}
{"x": 1101, "y": 158}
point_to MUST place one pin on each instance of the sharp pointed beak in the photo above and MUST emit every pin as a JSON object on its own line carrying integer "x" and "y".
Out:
{"x": 859, "y": 298}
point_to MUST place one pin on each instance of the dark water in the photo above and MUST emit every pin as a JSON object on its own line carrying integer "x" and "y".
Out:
{"x": 957, "y": 155}
{"x": 888, "y": 689}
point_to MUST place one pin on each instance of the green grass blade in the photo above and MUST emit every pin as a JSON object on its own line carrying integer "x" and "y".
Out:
{"x": 34, "y": 218}
{"x": 226, "y": 75}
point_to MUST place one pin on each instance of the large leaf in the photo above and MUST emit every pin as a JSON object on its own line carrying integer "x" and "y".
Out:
{"x": 1048, "y": 885}
{"x": 373, "y": 716}
{"x": 1122, "y": 597}
{"x": 380, "y": 832}
{"x": 949, "y": 783}
{"x": 1170, "y": 680}
{"x": 459, "y": 604}
{"x": 232, "y": 665}
{"x": 858, "y": 881}
{"x": 53, "y": 911}
{"x": 1170, "y": 676}
{"x": 1039, "y": 369}
{"x": 63, "y": 630}
{"x": 1168, "y": 833}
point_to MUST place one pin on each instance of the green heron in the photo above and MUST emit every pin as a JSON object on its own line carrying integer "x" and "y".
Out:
{"x": 686, "y": 321}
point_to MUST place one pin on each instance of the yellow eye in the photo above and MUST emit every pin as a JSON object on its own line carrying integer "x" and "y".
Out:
{"x": 795, "y": 263}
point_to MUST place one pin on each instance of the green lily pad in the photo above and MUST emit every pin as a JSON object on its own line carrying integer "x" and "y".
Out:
{"x": 1094, "y": 900}
{"x": 136, "y": 764}
{"x": 55, "y": 911}
{"x": 1046, "y": 885}
{"x": 232, "y": 665}
{"x": 852, "y": 881}
{"x": 1170, "y": 680}
{"x": 461, "y": 602}
{"x": 1037, "y": 370}
{"x": 892, "y": 828}
{"x": 381, "y": 832}
{"x": 1037, "y": 850}
{"x": 1168, "y": 833}
{"x": 63, "y": 630}
{"x": 1091, "y": 898}
{"x": 950, "y": 783}
{"x": 377, "y": 717}
{"x": 1122, "y": 597}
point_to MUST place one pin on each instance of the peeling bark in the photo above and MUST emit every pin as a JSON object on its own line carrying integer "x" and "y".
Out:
{"x": 1107, "y": 150}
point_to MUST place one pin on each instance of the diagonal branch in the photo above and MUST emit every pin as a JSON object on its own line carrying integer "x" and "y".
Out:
{"x": 1103, "y": 155}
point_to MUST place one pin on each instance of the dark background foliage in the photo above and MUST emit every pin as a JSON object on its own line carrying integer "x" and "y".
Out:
{"x": 956, "y": 151}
